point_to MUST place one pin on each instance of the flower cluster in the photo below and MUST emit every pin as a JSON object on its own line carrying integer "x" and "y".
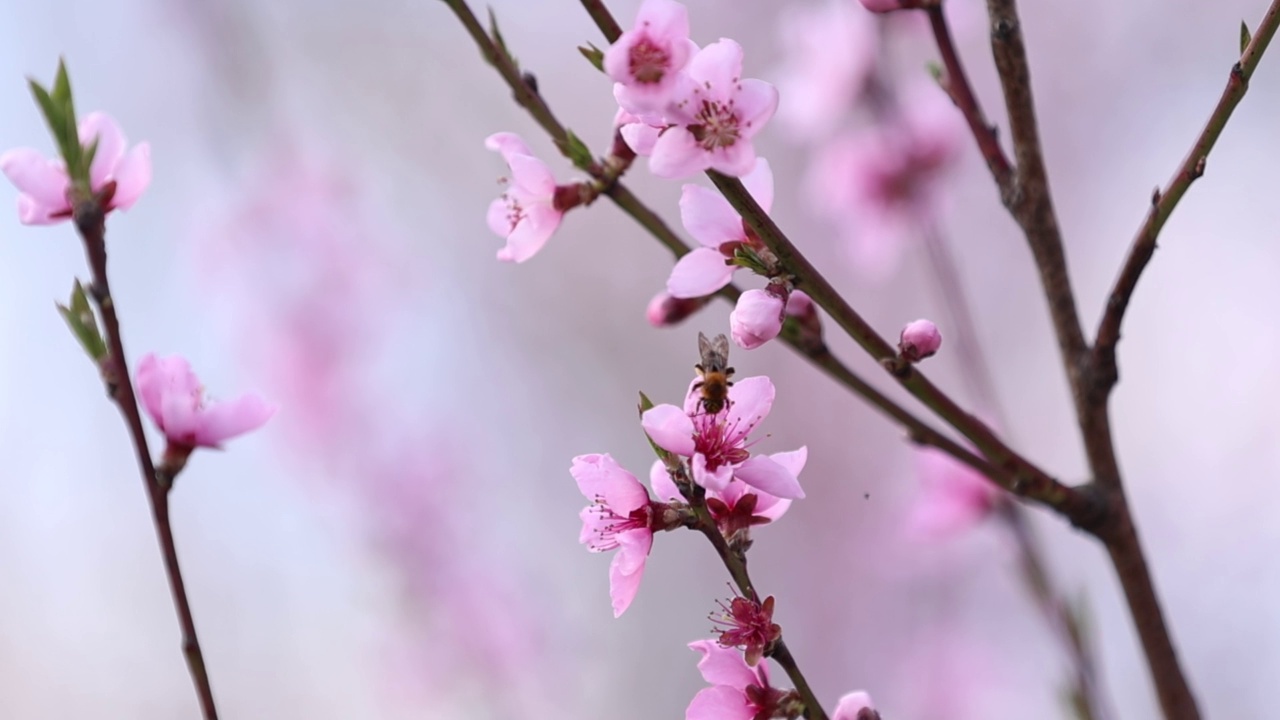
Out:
{"x": 688, "y": 109}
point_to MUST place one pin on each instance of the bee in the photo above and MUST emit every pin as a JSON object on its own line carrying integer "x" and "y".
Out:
{"x": 714, "y": 373}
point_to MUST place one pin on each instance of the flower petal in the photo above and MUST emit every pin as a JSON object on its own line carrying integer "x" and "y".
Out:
{"x": 663, "y": 486}
{"x": 507, "y": 144}
{"x": 539, "y": 223}
{"x": 633, "y": 549}
{"x": 720, "y": 703}
{"x": 734, "y": 160}
{"x": 532, "y": 176}
{"x": 759, "y": 183}
{"x": 714, "y": 480}
{"x": 111, "y": 145}
{"x": 623, "y": 586}
{"x": 751, "y": 399}
{"x": 224, "y": 420}
{"x": 601, "y": 478}
{"x": 43, "y": 180}
{"x": 723, "y": 666}
{"x": 763, "y": 473}
{"x": 699, "y": 273}
{"x": 132, "y": 175}
{"x": 756, "y": 103}
{"x": 718, "y": 65}
{"x": 709, "y": 218}
{"x": 850, "y": 705}
{"x": 670, "y": 428}
{"x": 677, "y": 154}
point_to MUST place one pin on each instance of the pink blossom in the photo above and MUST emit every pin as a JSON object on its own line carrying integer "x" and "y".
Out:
{"x": 757, "y": 318}
{"x": 853, "y": 705}
{"x": 639, "y": 135}
{"x": 43, "y": 182}
{"x": 730, "y": 507}
{"x": 830, "y": 49}
{"x": 173, "y": 397}
{"x": 953, "y": 497}
{"x": 715, "y": 113}
{"x": 919, "y": 339}
{"x": 620, "y": 517}
{"x": 713, "y": 222}
{"x": 526, "y": 214}
{"x": 646, "y": 61}
{"x": 883, "y": 186}
{"x": 716, "y": 444}
{"x": 738, "y": 691}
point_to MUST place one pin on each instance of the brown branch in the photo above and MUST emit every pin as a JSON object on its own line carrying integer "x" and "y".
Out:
{"x": 1164, "y": 201}
{"x": 91, "y": 224}
{"x": 961, "y": 92}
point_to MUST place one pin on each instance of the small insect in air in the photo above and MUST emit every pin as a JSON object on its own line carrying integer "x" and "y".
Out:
{"x": 714, "y": 372}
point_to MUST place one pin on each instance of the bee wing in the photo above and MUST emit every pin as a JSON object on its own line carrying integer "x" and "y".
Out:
{"x": 720, "y": 346}
{"x": 704, "y": 345}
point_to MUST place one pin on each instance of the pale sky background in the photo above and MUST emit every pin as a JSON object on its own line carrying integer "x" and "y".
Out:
{"x": 521, "y": 368}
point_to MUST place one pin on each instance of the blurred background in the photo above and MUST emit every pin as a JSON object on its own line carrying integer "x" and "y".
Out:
{"x": 401, "y": 540}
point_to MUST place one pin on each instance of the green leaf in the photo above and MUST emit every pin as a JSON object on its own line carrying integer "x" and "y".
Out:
{"x": 83, "y": 323}
{"x": 1245, "y": 37}
{"x": 645, "y": 403}
{"x": 935, "y": 71}
{"x": 668, "y": 459}
{"x": 498, "y": 40}
{"x": 593, "y": 54}
{"x": 50, "y": 109}
{"x": 576, "y": 150}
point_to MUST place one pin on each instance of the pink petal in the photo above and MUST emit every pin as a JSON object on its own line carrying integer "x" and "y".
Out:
{"x": 499, "y": 217}
{"x": 735, "y": 160}
{"x": 43, "y": 180}
{"x": 663, "y": 486}
{"x": 756, "y": 319}
{"x": 507, "y": 144}
{"x": 663, "y": 19}
{"x": 720, "y": 703}
{"x": 768, "y": 506}
{"x": 670, "y": 428}
{"x": 715, "y": 481}
{"x": 531, "y": 233}
{"x": 723, "y": 666}
{"x": 699, "y": 273}
{"x": 222, "y": 421}
{"x": 759, "y": 182}
{"x": 709, "y": 218}
{"x": 763, "y": 473}
{"x": 532, "y": 176}
{"x": 150, "y": 383}
{"x": 32, "y": 213}
{"x": 640, "y": 137}
{"x": 756, "y": 103}
{"x": 851, "y": 704}
{"x": 633, "y": 549}
{"x": 718, "y": 65}
{"x": 793, "y": 461}
{"x": 599, "y": 476}
{"x": 751, "y": 399}
{"x": 677, "y": 154}
{"x": 132, "y": 175}
{"x": 623, "y": 586}
{"x": 111, "y": 145}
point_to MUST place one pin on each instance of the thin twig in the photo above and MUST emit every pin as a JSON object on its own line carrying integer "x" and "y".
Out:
{"x": 91, "y": 224}
{"x": 1164, "y": 201}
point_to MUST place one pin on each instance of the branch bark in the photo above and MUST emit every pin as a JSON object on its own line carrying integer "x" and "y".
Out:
{"x": 91, "y": 224}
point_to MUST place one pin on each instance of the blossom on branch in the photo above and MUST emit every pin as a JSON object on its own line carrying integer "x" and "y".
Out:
{"x": 716, "y": 444}
{"x": 713, "y": 116}
{"x": 738, "y": 691}
{"x": 527, "y": 213}
{"x": 172, "y": 395}
{"x": 713, "y": 222}
{"x": 645, "y": 62}
{"x": 620, "y": 517}
{"x": 856, "y": 706}
{"x": 44, "y": 183}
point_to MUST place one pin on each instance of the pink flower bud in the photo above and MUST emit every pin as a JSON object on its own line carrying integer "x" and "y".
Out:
{"x": 884, "y": 6}
{"x": 665, "y": 310}
{"x": 855, "y": 706}
{"x": 757, "y": 319}
{"x": 919, "y": 340}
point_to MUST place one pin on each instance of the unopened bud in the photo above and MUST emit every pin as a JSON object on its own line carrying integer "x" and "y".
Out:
{"x": 665, "y": 310}
{"x": 855, "y": 706}
{"x": 757, "y": 319}
{"x": 919, "y": 340}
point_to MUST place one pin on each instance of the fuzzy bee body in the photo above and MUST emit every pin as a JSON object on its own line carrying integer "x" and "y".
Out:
{"x": 714, "y": 373}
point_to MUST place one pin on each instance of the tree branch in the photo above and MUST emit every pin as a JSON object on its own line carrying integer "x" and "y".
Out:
{"x": 1163, "y": 203}
{"x": 90, "y": 222}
